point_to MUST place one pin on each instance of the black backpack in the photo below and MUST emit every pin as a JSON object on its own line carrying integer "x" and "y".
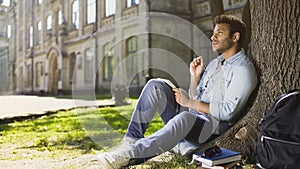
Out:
{"x": 278, "y": 144}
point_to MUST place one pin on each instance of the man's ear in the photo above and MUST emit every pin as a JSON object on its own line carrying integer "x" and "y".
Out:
{"x": 236, "y": 37}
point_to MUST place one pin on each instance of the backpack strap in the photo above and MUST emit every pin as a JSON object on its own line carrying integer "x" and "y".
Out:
{"x": 284, "y": 96}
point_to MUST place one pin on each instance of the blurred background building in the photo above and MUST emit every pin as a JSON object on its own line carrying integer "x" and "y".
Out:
{"x": 7, "y": 49}
{"x": 55, "y": 46}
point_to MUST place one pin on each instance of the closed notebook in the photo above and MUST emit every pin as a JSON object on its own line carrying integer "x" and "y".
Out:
{"x": 220, "y": 166}
{"x": 225, "y": 157}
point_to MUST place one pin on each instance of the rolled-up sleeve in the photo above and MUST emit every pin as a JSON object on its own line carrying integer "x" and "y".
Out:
{"x": 236, "y": 93}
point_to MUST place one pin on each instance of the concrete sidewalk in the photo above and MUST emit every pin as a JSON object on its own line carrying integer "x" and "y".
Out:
{"x": 19, "y": 105}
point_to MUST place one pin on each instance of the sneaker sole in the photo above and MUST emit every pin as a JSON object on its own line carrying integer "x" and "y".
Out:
{"x": 105, "y": 164}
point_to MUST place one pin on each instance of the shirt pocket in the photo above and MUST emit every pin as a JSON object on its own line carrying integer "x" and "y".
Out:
{"x": 226, "y": 82}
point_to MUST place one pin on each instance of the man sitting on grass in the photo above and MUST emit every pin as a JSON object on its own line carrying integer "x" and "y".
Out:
{"x": 216, "y": 96}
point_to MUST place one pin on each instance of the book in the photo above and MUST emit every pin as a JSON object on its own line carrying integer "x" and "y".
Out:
{"x": 168, "y": 82}
{"x": 221, "y": 166}
{"x": 225, "y": 157}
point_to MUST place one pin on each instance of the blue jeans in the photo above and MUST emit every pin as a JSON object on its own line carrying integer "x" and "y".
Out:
{"x": 179, "y": 123}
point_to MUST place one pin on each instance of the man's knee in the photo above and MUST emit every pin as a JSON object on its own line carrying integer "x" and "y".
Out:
{"x": 157, "y": 84}
{"x": 187, "y": 117}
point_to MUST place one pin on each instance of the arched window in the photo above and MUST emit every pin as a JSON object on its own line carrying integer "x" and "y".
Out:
{"x": 59, "y": 17}
{"x": 72, "y": 70}
{"x": 132, "y": 59}
{"x": 75, "y": 14}
{"x": 39, "y": 33}
{"x": 89, "y": 65}
{"x": 108, "y": 62}
{"x": 91, "y": 11}
{"x": 28, "y": 77}
{"x": 31, "y": 36}
{"x": 38, "y": 73}
{"x": 8, "y": 31}
{"x": 110, "y": 7}
{"x": 49, "y": 22}
{"x": 21, "y": 40}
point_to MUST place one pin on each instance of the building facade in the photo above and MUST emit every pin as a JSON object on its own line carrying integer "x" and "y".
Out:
{"x": 100, "y": 45}
{"x": 7, "y": 49}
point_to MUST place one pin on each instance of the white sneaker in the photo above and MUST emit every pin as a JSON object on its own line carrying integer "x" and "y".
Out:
{"x": 116, "y": 159}
{"x": 129, "y": 140}
{"x": 184, "y": 148}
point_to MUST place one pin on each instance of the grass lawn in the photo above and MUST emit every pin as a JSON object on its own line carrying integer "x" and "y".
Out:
{"x": 75, "y": 133}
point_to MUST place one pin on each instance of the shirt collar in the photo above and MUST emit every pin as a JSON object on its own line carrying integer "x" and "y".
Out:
{"x": 232, "y": 58}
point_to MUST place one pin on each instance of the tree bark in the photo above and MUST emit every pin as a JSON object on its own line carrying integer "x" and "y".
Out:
{"x": 275, "y": 42}
{"x": 246, "y": 17}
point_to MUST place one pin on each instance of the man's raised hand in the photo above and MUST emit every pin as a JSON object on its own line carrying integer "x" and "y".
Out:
{"x": 197, "y": 67}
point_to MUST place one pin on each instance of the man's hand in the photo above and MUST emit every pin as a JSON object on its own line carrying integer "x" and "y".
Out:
{"x": 197, "y": 67}
{"x": 182, "y": 97}
{"x": 184, "y": 100}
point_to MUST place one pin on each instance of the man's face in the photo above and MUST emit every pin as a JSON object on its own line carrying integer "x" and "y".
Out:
{"x": 221, "y": 39}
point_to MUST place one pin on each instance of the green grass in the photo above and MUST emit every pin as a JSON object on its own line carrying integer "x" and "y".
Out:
{"x": 72, "y": 133}
{"x": 75, "y": 133}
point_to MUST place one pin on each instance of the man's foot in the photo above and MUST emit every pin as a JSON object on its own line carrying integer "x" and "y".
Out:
{"x": 184, "y": 148}
{"x": 129, "y": 140}
{"x": 116, "y": 159}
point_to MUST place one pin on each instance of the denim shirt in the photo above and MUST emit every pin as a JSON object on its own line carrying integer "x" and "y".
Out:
{"x": 227, "y": 87}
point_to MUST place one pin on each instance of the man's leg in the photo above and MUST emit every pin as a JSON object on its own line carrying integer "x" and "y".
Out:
{"x": 178, "y": 128}
{"x": 155, "y": 97}
{"x": 183, "y": 125}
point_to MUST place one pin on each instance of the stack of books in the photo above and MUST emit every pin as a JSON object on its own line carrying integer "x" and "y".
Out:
{"x": 226, "y": 159}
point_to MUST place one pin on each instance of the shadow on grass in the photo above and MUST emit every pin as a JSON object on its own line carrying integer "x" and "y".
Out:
{"x": 83, "y": 130}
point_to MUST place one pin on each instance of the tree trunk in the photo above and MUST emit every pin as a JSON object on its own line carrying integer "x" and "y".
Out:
{"x": 246, "y": 17}
{"x": 275, "y": 53}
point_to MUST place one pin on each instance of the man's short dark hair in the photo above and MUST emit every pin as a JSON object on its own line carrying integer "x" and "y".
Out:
{"x": 236, "y": 25}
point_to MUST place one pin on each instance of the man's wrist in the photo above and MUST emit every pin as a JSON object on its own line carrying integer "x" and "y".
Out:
{"x": 191, "y": 104}
{"x": 196, "y": 78}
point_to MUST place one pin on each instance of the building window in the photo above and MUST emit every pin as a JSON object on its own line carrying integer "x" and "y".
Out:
{"x": 75, "y": 14}
{"x": 91, "y": 11}
{"x": 132, "y": 3}
{"x": 3, "y": 31}
{"x": 72, "y": 71}
{"x": 79, "y": 62}
{"x": 21, "y": 40}
{"x": 59, "y": 17}
{"x": 110, "y": 7}
{"x": 22, "y": 7}
{"x": 28, "y": 78}
{"x": 49, "y": 22}
{"x": 38, "y": 73}
{"x": 132, "y": 59}
{"x": 31, "y": 36}
{"x": 39, "y": 33}
{"x": 108, "y": 63}
{"x": 5, "y": 3}
{"x": 8, "y": 31}
{"x": 88, "y": 69}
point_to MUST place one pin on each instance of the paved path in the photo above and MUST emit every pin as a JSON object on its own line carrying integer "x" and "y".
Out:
{"x": 20, "y": 105}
